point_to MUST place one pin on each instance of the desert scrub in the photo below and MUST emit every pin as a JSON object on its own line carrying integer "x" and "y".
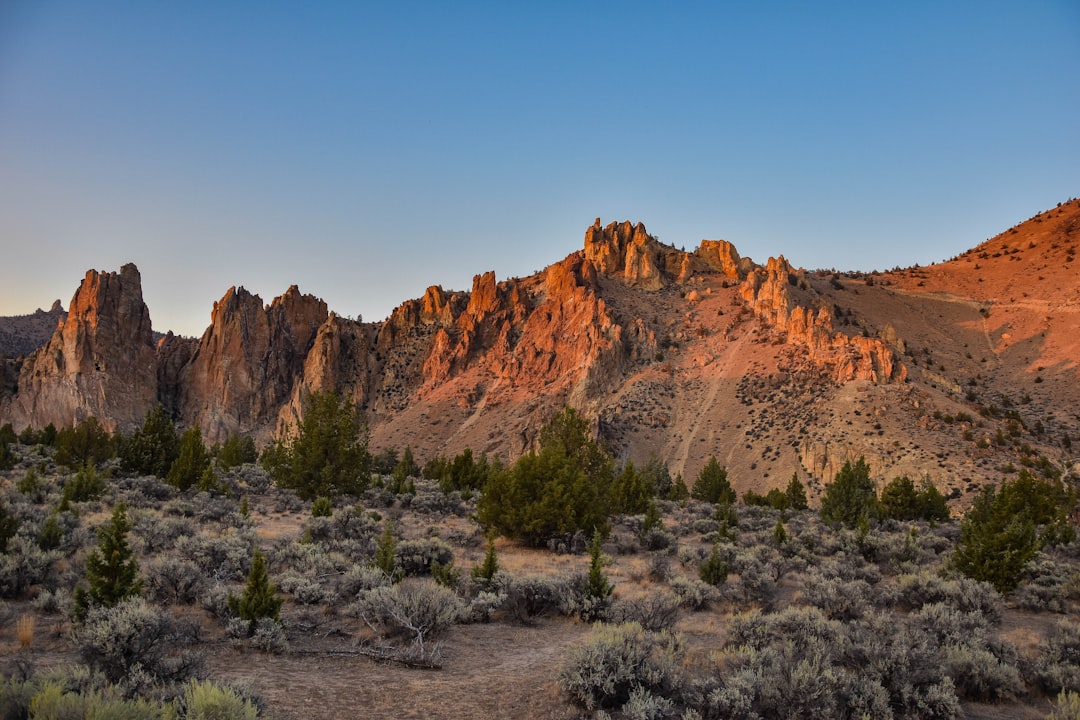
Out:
{"x": 205, "y": 700}
{"x": 654, "y": 611}
{"x": 415, "y": 557}
{"x": 176, "y": 580}
{"x": 136, "y": 643}
{"x": 1057, "y": 667}
{"x": 618, "y": 660}
{"x": 414, "y": 610}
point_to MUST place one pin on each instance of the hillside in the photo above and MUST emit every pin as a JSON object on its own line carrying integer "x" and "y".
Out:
{"x": 957, "y": 370}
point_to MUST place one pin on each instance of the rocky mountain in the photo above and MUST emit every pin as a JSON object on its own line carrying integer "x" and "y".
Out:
{"x": 961, "y": 370}
{"x": 22, "y": 334}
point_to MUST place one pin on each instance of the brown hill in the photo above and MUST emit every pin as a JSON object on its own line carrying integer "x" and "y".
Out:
{"x": 953, "y": 371}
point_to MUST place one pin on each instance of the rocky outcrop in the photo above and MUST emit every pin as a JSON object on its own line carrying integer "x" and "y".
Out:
{"x": 628, "y": 252}
{"x": 770, "y": 292}
{"x": 21, "y": 335}
{"x": 721, "y": 256}
{"x": 248, "y": 361}
{"x": 100, "y": 361}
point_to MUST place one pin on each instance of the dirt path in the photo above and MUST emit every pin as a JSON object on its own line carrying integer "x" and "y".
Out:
{"x": 494, "y": 670}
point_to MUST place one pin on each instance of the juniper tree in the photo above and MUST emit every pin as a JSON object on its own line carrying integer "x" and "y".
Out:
{"x": 259, "y": 599}
{"x": 191, "y": 460}
{"x": 153, "y": 448}
{"x": 112, "y": 573}
{"x": 851, "y": 498}
{"x": 712, "y": 484}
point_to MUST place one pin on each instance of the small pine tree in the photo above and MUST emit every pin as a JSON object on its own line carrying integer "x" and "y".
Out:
{"x": 51, "y": 535}
{"x": 112, "y": 573}
{"x": 384, "y": 552}
{"x": 485, "y": 572}
{"x": 679, "y": 492}
{"x": 245, "y": 507}
{"x": 852, "y": 497}
{"x": 652, "y": 520}
{"x": 780, "y": 536}
{"x": 597, "y": 585}
{"x": 9, "y": 525}
{"x": 714, "y": 570}
{"x": 796, "y": 494}
{"x": 259, "y": 599}
{"x": 191, "y": 460}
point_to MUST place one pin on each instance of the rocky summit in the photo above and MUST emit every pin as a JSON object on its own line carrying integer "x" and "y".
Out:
{"x": 961, "y": 371}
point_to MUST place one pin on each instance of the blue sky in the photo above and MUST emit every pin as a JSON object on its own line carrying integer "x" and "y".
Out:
{"x": 364, "y": 151}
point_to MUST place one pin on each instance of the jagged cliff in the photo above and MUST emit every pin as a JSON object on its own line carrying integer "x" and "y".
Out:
{"x": 683, "y": 355}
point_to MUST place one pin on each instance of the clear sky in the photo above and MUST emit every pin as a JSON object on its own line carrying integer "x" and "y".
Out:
{"x": 364, "y": 151}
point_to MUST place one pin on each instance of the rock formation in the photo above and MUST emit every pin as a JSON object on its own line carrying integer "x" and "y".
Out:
{"x": 771, "y": 293}
{"x": 100, "y": 362}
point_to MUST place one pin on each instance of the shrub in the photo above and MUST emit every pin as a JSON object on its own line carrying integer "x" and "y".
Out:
{"x": 328, "y": 455}
{"x": 839, "y": 599}
{"x": 415, "y": 557}
{"x": 24, "y": 564}
{"x": 54, "y": 701}
{"x": 418, "y": 611}
{"x": 653, "y": 611}
{"x": 901, "y": 501}
{"x": 135, "y": 642}
{"x": 174, "y": 580}
{"x": 692, "y": 593}
{"x": 205, "y": 700}
{"x": 1058, "y": 665}
{"x": 1067, "y": 707}
{"x": 617, "y": 660}
{"x": 322, "y": 507}
{"x": 531, "y": 597}
{"x": 980, "y": 675}
{"x": 714, "y": 570}
{"x": 83, "y": 486}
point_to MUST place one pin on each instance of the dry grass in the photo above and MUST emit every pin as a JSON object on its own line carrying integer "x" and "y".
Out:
{"x": 24, "y": 630}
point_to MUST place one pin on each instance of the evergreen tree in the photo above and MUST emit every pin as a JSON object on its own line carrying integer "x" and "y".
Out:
{"x": 780, "y": 536}
{"x": 86, "y": 442}
{"x": 484, "y": 573}
{"x": 679, "y": 492}
{"x": 1005, "y": 528}
{"x": 899, "y": 499}
{"x": 384, "y": 551}
{"x": 51, "y": 535}
{"x": 153, "y": 448}
{"x": 652, "y": 520}
{"x": 852, "y": 497}
{"x": 112, "y": 573}
{"x": 714, "y": 570}
{"x": 9, "y": 525}
{"x": 259, "y": 599}
{"x": 796, "y": 494}
{"x": 712, "y": 484}
{"x": 563, "y": 488}
{"x": 237, "y": 450}
{"x": 191, "y": 460}
{"x": 328, "y": 455}
{"x": 630, "y": 492}
{"x": 7, "y": 455}
{"x": 597, "y": 585}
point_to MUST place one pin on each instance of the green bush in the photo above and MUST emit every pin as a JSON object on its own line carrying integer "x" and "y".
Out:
{"x": 236, "y": 451}
{"x": 562, "y": 489}
{"x": 153, "y": 448}
{"x": 712, "y": 485}
{"x": 851, "y": 498}
{"x": 328, "y": 455}
{"x": 900, "y": 500}
{"x": 1006, "y": 528}
{"x": 205, "y": 700}
{"x": 191, "y": 461}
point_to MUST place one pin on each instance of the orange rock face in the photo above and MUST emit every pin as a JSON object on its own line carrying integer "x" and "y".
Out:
{"x": 100, "y": 362}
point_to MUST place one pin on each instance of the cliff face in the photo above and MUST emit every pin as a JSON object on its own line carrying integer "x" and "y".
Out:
{"x": 101, "y": 360}
{"x": 771, "y": 292}
{"x": 248, "y": 361}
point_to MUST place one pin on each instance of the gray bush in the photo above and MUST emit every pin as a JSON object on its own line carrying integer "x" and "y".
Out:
{"x": 414, "y": 610}
{"x": 653, "y": 612}
{"x": 173, "y": 580}
{"x": 136, "y": 643}
{"x": 1057, "y": 667}
{"x": 414, "y": 557}
{"x": 616, "y": 660}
